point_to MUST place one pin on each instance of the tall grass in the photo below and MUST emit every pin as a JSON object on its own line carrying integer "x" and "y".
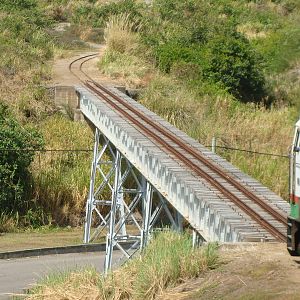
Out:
{"x": 61, "y": 182}
{"x": 120, "y": 60}
{"x": 120, "y": 33}
{"x": 168, "y": 261}
{"x": 129, "y": 70}
{"x": 203, "y": 110}
{"x": 8, "y": 222}
{"x": 61, "y": 179}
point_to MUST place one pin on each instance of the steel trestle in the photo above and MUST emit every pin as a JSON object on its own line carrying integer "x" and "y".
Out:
{"x": 122, "y": 204}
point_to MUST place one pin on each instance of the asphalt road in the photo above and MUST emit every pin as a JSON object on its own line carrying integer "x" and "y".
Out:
{"x": 19, "y": 274}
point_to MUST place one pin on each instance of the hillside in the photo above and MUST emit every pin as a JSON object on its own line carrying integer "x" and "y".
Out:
{"x": 224, "y": 69}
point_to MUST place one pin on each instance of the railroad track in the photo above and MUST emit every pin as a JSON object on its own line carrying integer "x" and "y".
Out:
{"x": 255, "y": 207}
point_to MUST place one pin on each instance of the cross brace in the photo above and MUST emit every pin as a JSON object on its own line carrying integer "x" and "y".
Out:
{"x": 122, "y": 204}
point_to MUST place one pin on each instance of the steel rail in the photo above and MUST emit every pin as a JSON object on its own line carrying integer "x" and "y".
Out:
{"x": 200, "y": 157}
{"x": 279, "y": 217}
{"x": 251, "y": 212}
{"x": 89, "y": 57}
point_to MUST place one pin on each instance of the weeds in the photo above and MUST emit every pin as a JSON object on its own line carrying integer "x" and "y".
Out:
{"x": 8, "y": 221}
{"x": 61, "y": 179}
{"x": 204, "y": 109}
{"x": 119, "y": 34}
{"x": 167, "y": 261}
{"x": 120, "y": 61}
{"x": 128, "y": 69}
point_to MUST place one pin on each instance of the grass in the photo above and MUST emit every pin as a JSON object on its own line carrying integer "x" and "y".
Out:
{"x": 203, "y": 110}
{"x": 202, "y": 114}
{"x": 61, "y": 179}
{"x": 119, "y": 34}
{"x": 126, "y": 68}
{"x": 39, "y": 238}
{"x": 120, "y": 61}
{"x": 167, "y": 261}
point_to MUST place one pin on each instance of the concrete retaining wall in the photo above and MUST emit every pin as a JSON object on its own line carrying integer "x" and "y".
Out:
{"x": 66, "y": 99}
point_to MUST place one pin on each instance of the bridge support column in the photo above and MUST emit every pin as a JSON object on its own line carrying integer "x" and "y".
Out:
{"x": 90, "y": 201}
{"x": 110, "y": 240}
{"x": 121, "y": 205}
{"x": 197, "y": 239}
{"x": 147, "y": 209}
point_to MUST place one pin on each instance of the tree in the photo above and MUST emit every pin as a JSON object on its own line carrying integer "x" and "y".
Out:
{"x": 232, "y": 62}
{"x": 14, "y": 161}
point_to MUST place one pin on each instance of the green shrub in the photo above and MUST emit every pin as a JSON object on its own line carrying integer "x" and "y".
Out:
{"x": 281, "y": 49}
{"x": 227, "y": 60}
{"x": 14, "y": 175}
{"x": 232, "y": 62}
{"x": 18, "y": 4}
{"x": 193, "y": 33}
{"x": 169, "y": 54}
{"x": 25, "y": 44}
{"x": 98, "y": 15}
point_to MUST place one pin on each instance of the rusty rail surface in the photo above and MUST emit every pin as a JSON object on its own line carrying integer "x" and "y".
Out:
{"x": 136, "y": 116}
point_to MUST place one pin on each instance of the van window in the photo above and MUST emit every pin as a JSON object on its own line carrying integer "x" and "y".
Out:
{"x": 297, "y": 139}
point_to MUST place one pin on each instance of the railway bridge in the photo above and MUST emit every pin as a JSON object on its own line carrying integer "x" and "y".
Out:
{"x": 151, "y": 169}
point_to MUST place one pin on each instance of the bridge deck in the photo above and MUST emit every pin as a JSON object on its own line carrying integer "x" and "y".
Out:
{"x": 208, "y": 211}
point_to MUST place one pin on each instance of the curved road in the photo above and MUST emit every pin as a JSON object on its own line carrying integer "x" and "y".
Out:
{"x": 19, "y": 274}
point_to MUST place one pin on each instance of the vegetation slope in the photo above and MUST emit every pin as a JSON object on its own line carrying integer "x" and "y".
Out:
{"x": 224, "y": 69}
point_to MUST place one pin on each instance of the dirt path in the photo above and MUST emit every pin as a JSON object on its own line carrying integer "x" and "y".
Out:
{"x": 62, "y": 76}
{"x": 257, "y": 271}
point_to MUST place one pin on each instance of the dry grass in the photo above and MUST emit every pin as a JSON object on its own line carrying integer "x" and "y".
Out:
{"x": 267, "y": 5}
{"x": 129, "y": 70}
{"x": 120, "y": 34}
{"x": 119, "y": 60}
{"x": 28, "y": 101}
{"x": 168, "y": 260}
{"x": 61, "y": 179}
{"x": 253, "y": 30}
{"x": 8, "y": 222}
{"x": 203, "y": 112}
{"x": 203, "y": 115}
{"x": 43, "y": 237}
{"x": 257, "y": 272}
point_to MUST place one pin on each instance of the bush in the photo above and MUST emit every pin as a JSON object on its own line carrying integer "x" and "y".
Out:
{"x": 14, "y": 175}
{"x": 227, "y": 60}
{"x": 98, "y": 15}
{"x": 169, "y": 54}
{"x": 231, "y": 61}
{"x": 204, "y": 36}
{"x": 18, "y": 4}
